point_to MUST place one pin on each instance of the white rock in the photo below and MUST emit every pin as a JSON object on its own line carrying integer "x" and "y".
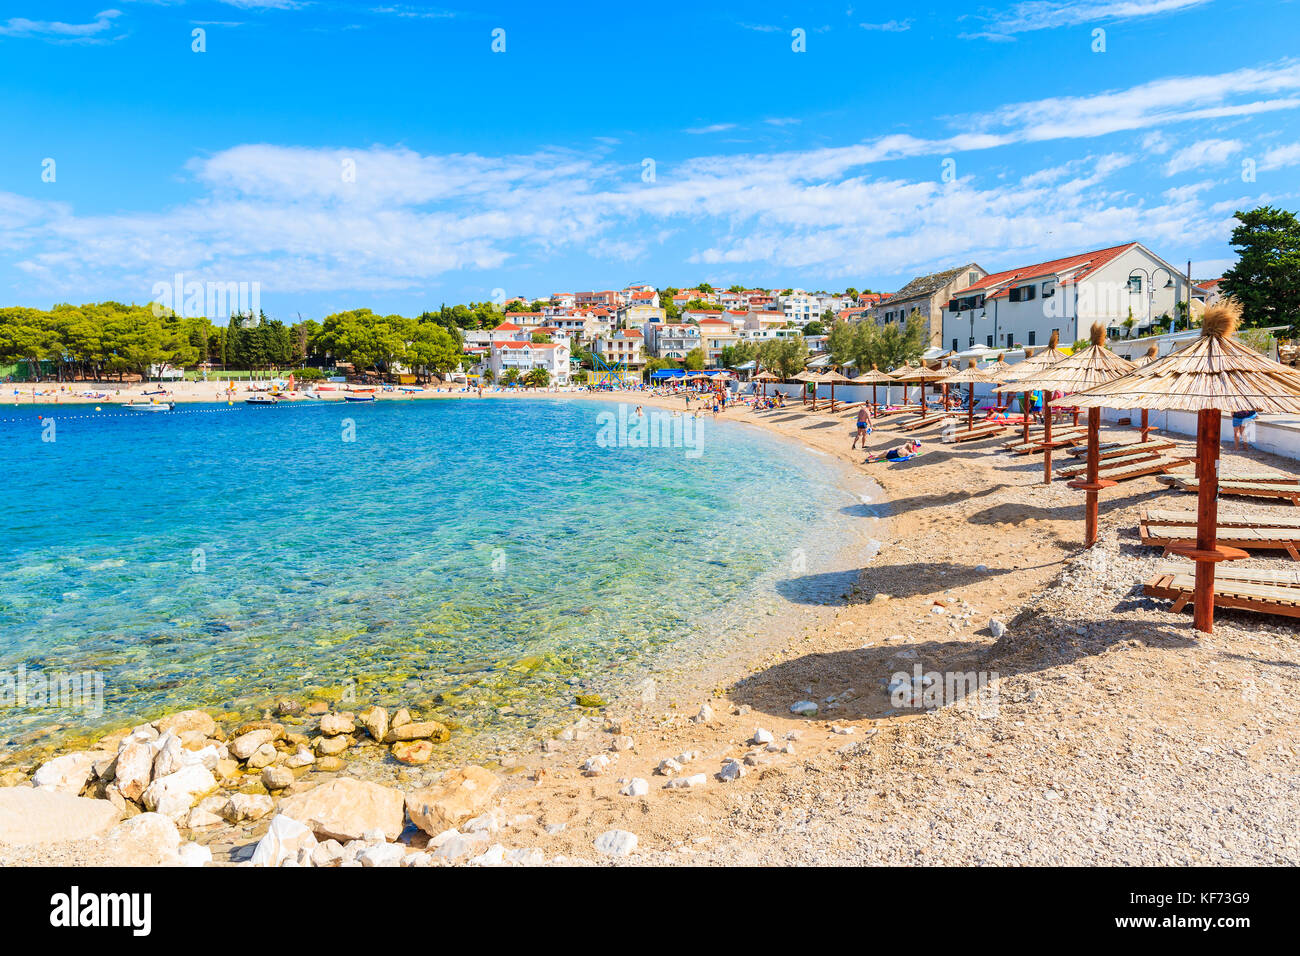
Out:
{"x": 731, "y": 770}
{"x": 382, "y": 854}
{"x": 69, "y": 773}
{"x": 686, "y": 756}
{"x": 174, "y": 794}
{"x": 704, "y": 716}
{"x": 616, "y": 843}
{"x": 247, "y": 806}
{"x": 595, "y": 766}
{"x": 843, "y": 730}
{"x": 686, "y": 783}
{"x": 636, "y": 787}
{"x": 194, "y": 854}
{"x": 241, "y": 748}
{"x": 622, "y": 743}
{"x": 458, "y": 846}
{"x": 804, "y": 708}
{"x": 996, "y": 628}
{"x": 283, "y": 839}
{"x": 495, "y": 855}
{"x": 668, "y": 767}
{"x": 147, "y": 839}
{"x": 761, "y": 736}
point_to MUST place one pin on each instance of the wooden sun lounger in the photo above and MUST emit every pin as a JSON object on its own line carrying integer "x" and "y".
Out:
{"x": 1281, "y": 577}
{"x": 1256, "y": 489}
{"x": 1121, "y": 449}
{"x": 1251, "y": 539}
{"x": 1106, "y": 465}
{"x": 1139, "y": 469}
{"x": 1245, "y": 595}
{"x": 932, "y": 419}
{"x": 978, "y": 432}
{"x": 1275, "y": 518}
{"x": 886, "y": 410}
{"x": 1038, "y": 444}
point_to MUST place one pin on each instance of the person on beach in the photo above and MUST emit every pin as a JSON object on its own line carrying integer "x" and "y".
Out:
{"x": 901, "y": 453}
{"x": 864, "y": 426}
{"x": 1240, "y": 422}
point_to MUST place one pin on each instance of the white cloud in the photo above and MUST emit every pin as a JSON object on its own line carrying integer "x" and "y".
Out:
{"x": 1045, "y": 14}
{"x": 889, "y": 26}
{"x": 296, "y": 219}
{"x": 714, "y": 128}
{"x": 1281, "y": 156}
{"x": 1201, "y": 154}
{"x": 57, "y": 30}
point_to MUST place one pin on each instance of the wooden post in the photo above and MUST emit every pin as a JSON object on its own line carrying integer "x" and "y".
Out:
{"x": 1047, "y": 437}
{"x": 970, "y": 407}
{"x": 1207, "y": 515}
{"x": 1146, "y": 428}
{"x": 1025, "y": 409}
{"x": 874, "y": 403}
{"x": 1094, "y": 453}
{"x": 922, "y": 387}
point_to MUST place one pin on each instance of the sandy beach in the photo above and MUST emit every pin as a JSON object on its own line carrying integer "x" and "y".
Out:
{"x": 1113, "y": 734}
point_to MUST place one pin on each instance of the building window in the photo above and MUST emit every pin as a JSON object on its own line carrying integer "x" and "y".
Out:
{"x": 990, "y": 341}
{"x": 1031, "y": 336}
{"x": 954, "y": 345}
{"x": 1135, "y": 283}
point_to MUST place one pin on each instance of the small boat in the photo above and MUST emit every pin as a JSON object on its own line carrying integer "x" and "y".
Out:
{"x": 359, "y": 398}
{"x": 149, "y": 406}
{"x": 261, "y": 400}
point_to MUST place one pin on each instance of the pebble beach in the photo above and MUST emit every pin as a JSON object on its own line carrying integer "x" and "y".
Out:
{"x": 1111, "y": 732}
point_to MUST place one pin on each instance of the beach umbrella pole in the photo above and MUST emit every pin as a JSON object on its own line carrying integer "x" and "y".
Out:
{"x": 1047, "y": 438}
{"x": 1091, "y": 484}
{"x": 970, "y": 408}
{"x": 1146, "y": 428}
{"x": 1024, "y": 408}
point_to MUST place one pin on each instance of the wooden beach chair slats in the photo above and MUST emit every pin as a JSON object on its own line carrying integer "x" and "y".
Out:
{"x": 1289, "y": 493}
{"x": 1142, "y": 468}
{"x": 977, "y": 433}
{"x": 1252, "y": 539}
{"x": 1246, "y": 596}
{"x": 916, "y": 423}
{"x": 1121, "y": 449}
{"x": 1036, "y": 444}
{"x": 1273, "y": 518}
{"x": 1105, "y": 466}
{"x": 1280, "y": 577}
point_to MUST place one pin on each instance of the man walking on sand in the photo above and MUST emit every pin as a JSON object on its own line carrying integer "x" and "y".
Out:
{"x": 864, "y": 426}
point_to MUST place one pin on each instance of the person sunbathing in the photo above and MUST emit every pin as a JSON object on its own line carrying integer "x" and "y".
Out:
{"x": 901, "y": 453}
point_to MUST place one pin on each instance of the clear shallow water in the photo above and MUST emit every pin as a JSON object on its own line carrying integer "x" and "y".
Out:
{"x": 483, "y": 560}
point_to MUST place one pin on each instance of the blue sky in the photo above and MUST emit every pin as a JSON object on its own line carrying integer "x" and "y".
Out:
{"x": 893, "y": 144}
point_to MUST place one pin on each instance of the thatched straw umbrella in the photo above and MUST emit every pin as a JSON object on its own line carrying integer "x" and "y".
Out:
{"x": 805, "y": 377}
{"x": 1210, "y": 375}
{"x": 765, "y": 377}
{"x": 1083, "y": 370}
{"x": 920, "y": 375}
{"x": 875, "y": 377}
{"x": 1152, "y": 352}
{"x": 971, "y": 375}
{"x": 831, "y": 377}
{"x": 1034, "y": 363}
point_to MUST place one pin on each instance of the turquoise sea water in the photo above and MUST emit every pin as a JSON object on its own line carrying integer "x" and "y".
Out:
{"x": 481, "y": 559}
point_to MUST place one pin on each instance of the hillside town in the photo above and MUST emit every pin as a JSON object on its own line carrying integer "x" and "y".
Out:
{"x": 965, "y": 310}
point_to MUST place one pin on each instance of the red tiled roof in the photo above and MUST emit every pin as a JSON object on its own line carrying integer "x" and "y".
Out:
{"x": 508, "y": 327}
{"x": 1081, "y": 266}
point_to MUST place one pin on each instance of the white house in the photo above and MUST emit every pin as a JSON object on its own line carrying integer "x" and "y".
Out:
{"x": 672, "y": 340}
{"x": 799, "y": 306}
{"x": 526, "y": 356}
{"x": 1128, "y": 287}
{"x": 624, "y": 348}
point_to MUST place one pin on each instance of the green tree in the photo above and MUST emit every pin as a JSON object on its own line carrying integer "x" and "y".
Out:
{"x": 1266, "y": 276}
{"x": 538, "y": 378}
{"x": 694, "y": 359}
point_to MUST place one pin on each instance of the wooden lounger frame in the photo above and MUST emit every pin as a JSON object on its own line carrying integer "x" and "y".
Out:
{"x": 1121, "y": 449}
{"x": 1243, "y": 595}
{"x": 1140, "y": 469}
{"x": 1107, "y": 465}
{"x": 1275, "y": 518}
{"x": 1254, "y": 489}
{"x": 1250, "y": 539}
{"x": 978, "y": 432}
{"x": 1038, "y": 444}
